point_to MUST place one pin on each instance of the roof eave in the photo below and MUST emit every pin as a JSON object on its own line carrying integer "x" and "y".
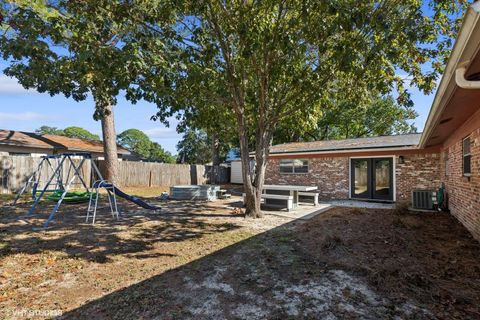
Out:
{"x": 447, "y": 84}
{"x": 330, "y": 151}
{"x": 26, "y": 145}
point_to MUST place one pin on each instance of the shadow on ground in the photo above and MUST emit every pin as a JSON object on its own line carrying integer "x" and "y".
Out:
{"x": 343, "y": 264}
{"x": 137, "y": 230}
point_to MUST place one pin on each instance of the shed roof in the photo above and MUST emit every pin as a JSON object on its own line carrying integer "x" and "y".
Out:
{"x": 381, "y": 142}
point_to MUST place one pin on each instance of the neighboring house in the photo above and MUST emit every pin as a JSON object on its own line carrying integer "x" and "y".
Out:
{"x": 390, "y": 168}
{"x": 24, "y": 143}
{"x": 31, "y": 144}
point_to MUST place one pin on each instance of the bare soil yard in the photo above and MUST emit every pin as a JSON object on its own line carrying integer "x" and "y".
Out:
{"x": 198, "y": 260}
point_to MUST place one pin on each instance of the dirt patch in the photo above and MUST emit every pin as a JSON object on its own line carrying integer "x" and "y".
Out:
{"x": 203, "y": 260}
{"x": 428, "y": 257}
{"x": 75, "y": 262}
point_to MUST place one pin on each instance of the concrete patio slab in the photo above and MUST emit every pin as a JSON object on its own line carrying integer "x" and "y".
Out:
{"x": 359, "y": 204}
{"x": 303, "y": 212}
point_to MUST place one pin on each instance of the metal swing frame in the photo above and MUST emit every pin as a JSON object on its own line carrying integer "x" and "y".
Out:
{"x": 34, "y": 179}
{"x": 58, "y": 172}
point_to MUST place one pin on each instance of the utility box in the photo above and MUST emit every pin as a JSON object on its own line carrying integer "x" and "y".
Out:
{"x": 424, "y": 199}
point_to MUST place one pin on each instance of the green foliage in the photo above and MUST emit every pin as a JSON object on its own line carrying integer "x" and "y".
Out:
{"x": 77, "y": 132}
{"x": 259, "y": 64}
{"x": 80, "y": 48}
{"x": 194, "y": 148}
{"x": 71, "y": 132}
{"x": 49, "y": 130}
{"x": 158, "y": 154}
{"x": 138, "y": 142}
{"x": 343, "y": 119}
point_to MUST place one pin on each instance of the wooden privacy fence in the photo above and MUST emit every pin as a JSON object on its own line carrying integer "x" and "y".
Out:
{"x": 150, "y": 174}
{"x": 15, "y": 170}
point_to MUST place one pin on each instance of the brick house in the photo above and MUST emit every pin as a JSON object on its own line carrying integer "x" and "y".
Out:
{"x": 384, "y": 168}
{"x": 389, "y": 168}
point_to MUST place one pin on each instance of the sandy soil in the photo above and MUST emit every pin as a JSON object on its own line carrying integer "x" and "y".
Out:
{"x": 205, "y": 261}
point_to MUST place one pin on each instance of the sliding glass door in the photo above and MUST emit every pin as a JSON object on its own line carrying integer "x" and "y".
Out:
{"x": 372, "y": 178}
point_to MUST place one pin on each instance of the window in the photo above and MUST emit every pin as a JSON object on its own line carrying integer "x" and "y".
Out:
{"x": 467, "y": 157}
{"x": 294, "y": 166}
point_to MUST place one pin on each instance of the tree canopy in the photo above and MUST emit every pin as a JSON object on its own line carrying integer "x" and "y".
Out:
{"x": 250, "y": 65}
{"x": 344, "y": 119}
{"x": 77, "y": 132}
{"x": 79, "y": 49}
{"x": 194, "y": 148}
{"x": 260, "y": 64}
{"x": 138, "y": 142}
{"x": 71, "y": 132}
{"x": 49, "y": 130}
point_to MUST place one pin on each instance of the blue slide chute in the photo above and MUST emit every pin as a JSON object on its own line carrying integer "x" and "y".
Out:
{"x": 128, "y": 197}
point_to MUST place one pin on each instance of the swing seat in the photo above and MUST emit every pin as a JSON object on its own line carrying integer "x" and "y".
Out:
{"x": 71, "y": 197}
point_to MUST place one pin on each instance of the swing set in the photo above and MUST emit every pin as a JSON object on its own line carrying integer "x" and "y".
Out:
{"x": 58, "y": 185}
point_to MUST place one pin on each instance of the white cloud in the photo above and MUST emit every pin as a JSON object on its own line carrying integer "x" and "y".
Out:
{"x": 161, "y": 133}
{"x": 25, "y": 116}
{"x": 10, "y": 86}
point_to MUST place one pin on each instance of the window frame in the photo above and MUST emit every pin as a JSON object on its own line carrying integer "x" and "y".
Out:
{"x": 293, "y": 166}
{"x": 465, "y": 155}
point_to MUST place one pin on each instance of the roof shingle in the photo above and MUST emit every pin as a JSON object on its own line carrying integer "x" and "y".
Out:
{"x": 52, "y": 142}
{"x": 23, "y": 139}
{"x": 76, "y": 144}
{"x": 396, "y": 141}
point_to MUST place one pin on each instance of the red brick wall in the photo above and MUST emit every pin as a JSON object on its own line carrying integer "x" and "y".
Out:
{"x": 330, "y": 175}
{"x": 420, "y": 171}
{"x": 463, "y": 192}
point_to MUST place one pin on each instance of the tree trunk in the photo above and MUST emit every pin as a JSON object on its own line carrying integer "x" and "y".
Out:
{"x": 253, "y": 182}
{"x": 109, "y": 144}
{"x": 215, "y": 150}
{"x": 215, "y": 158}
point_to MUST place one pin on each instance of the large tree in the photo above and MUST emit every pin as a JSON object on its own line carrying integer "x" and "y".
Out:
{"x": 138, "y": 142}
{"x": 281, "y": 60}
{"x": 71, "y": 132}
{"x": 344, "y": 119}
{"x": 81, "y": 133}
{"x": 194, "y": 147}
{"x": 80, "y": 49}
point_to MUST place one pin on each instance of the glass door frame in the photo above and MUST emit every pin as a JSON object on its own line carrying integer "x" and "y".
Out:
{"x": 371, "y": 178}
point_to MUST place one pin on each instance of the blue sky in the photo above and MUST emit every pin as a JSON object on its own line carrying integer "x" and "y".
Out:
{"x": 28, "y": 110}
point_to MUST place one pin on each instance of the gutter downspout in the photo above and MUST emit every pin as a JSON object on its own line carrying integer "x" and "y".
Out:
{"x": 464, "y": 83}
{"x": 461, "y": 71}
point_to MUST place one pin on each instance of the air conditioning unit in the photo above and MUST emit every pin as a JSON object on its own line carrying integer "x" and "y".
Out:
{"x": 424, "y": 199}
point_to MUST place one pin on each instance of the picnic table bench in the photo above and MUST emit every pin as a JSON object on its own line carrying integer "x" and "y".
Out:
{"x": 286, "y": 195}
{"x": 283, "y": 198}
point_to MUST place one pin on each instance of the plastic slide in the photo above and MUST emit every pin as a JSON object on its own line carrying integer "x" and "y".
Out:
{"x": 135, "y": 200}
{"x": 130, "y": 198}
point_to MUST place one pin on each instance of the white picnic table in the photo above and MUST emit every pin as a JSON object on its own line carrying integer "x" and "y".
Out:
{"x": 293, "y": 190}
